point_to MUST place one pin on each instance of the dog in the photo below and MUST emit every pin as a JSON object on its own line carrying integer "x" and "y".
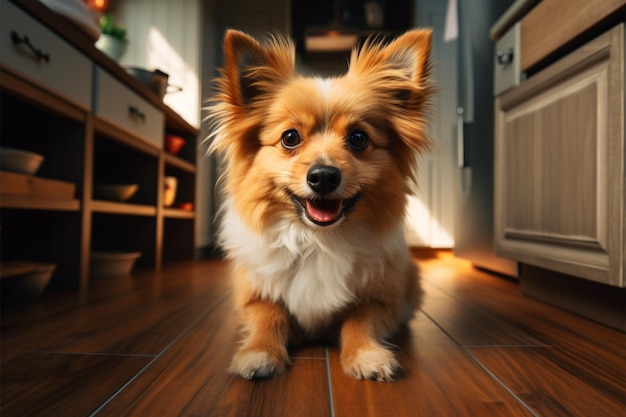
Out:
{"x": 316, "y": 180}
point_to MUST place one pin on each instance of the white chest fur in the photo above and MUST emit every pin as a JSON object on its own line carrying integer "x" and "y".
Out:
{"x": 314, "y": 272}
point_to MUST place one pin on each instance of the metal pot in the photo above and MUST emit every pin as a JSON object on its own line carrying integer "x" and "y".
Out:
{"x": 156, "y": 80}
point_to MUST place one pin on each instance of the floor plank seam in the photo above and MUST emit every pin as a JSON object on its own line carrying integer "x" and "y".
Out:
{"x": 502, "y": 384}
{"x": 149, "y": 364}
{"x": 483, "y": 367}
{"x": 131, "y": 355}
{"x": 308, "y": 357}
{"x": 330, "y": 384}
{"x": 507, "y": 346}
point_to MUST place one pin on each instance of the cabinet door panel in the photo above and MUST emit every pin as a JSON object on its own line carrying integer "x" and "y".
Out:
{"x": 560, "y": 165}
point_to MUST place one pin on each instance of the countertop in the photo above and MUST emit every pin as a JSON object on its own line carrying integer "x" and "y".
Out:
{"x": 510, "y": 17}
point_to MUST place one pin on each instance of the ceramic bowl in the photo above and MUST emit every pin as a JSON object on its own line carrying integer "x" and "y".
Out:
{"x": 110, "y": 264}
{"x": 187, "y": 206}
{"x": 173, "y": 144}
{"x": 21, "y": 281}
{"x": 115, "y": 192}
{"x": 22, "y": 162}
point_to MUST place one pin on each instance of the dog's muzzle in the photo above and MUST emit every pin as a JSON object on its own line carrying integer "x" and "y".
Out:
{"x": 321, "y": 209}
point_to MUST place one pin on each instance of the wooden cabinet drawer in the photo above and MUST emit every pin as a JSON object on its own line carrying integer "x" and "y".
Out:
{"x": 553, "y": 23}
{"x": 559, "y": 152}
{"x": 32, "y": 51}
{"x": 119, "y": 105}
{"x": 506, "y": 68}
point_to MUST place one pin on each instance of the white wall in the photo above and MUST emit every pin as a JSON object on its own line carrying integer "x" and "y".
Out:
{"x": 430, "y": 214}
{"x": 165, "y": 35}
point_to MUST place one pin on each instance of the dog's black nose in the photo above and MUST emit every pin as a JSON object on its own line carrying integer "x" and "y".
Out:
{"x": 323, "y": 179}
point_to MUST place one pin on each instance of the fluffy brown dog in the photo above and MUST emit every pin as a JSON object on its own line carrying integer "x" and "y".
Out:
{"x": 317, "y": 177}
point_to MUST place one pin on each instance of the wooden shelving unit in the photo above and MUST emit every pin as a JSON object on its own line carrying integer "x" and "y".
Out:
{"x": 86, "y": 149}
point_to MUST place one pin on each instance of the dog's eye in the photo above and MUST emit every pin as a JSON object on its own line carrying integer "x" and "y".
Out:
{"x": 358, "y": 140}
{"x": 291, "y": 139}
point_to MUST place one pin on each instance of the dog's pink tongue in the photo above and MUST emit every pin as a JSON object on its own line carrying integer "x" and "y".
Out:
{"x": 323, "y": 211}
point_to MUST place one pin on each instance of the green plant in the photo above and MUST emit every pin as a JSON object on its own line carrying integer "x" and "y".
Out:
{"x": 108, "y": 27}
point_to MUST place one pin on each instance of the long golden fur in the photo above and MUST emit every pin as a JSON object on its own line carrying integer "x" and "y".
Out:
{"x": 317, "y": 175}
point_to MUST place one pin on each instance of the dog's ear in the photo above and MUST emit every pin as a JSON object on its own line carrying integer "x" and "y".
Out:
{"x": 407, "y": 58}
{"x": 252, "y": 69}
{"x": 410, "y": 53}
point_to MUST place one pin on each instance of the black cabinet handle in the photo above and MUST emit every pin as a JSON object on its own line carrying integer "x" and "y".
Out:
{"x": 505, "y": 57}
{"x": 24, "y": 40}
{"x": 135, "y": 112}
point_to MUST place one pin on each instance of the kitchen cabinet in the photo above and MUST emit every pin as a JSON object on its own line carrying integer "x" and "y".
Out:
{"x": 560, "y": 164}
{"x": 94, "y": 125}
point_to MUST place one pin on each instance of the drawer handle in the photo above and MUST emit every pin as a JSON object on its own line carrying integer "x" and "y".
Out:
{"x": 18, "y": 40}
{"x": 136, "y": 113}
{"x": 505, "y": 57}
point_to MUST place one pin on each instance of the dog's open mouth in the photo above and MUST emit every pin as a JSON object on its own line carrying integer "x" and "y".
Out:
{"x": 322, "y": 211}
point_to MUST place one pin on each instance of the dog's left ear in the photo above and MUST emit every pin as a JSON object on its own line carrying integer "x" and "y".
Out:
{"x": 408, "y": 57}
{"x": 410, "y": 53}
{"x": 253, "y": 68}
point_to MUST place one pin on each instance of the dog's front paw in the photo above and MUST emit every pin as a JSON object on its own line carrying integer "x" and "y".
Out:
{"x": 254, "y": 364}
{"x": 370, "y": 362}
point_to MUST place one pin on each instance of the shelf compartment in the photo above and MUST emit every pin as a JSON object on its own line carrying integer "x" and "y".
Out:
{"x": 33, "y": 128}
{"x": 126, "y": 233}
{"x": 44, "y": 236}
{"x": 178, "y": 239}
{"x": 188, "y": 152}
{"x": 117, "y": 163}
{"x": 186, "y": 185}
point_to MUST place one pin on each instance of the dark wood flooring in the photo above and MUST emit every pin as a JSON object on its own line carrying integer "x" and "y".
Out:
{"x": 158, "y": 346}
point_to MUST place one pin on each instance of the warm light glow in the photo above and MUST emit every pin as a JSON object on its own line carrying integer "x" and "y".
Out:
{"x": 421, "y": 228}
{"x": 331, "y": 41}
{"x": 101, "y": 5}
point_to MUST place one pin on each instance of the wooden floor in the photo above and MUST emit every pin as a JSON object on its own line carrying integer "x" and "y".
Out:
{"x": 159, "y": 346}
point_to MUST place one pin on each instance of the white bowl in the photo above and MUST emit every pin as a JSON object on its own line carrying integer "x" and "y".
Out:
{"x": 24, "y": 280}
{"x": 111, "y": 264}
{"x": 17, "y": 160}
{"x": 115, "y": 192}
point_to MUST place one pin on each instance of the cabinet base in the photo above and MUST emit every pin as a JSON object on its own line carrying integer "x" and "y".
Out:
{"x": 598, "y": 302}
